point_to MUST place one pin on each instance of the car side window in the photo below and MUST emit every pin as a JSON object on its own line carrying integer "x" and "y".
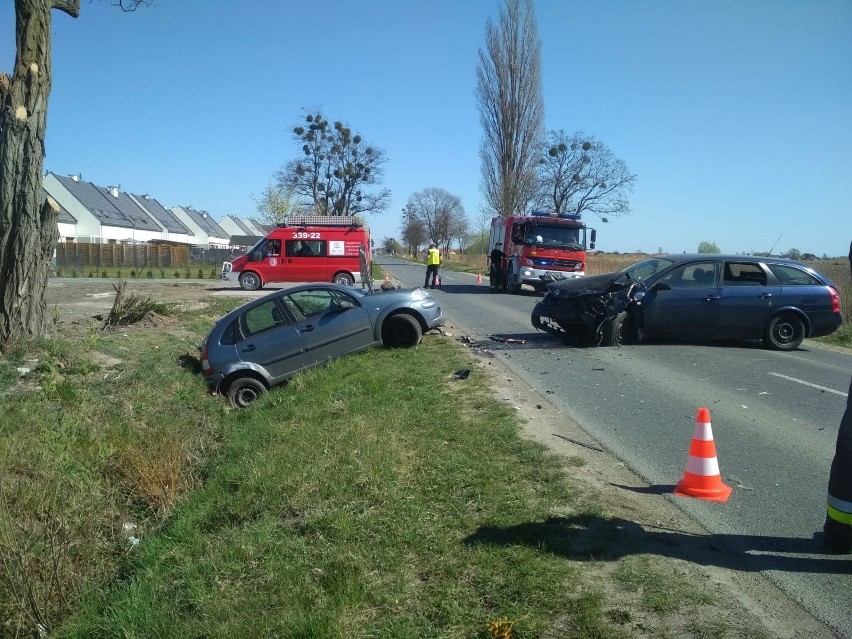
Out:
{"x": 343, "y": 297}
{"x": 744, "y": 274}
{"x": 693, "y": 275}
{"x": 261, "y": 318}
{"x": 230, "y": 335}
{"x": 792, "y": 276}
{"x": 310, "y": 303}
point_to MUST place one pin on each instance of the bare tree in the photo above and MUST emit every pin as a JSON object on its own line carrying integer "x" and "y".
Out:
{"x": 28, "y": 229}
{"x": 578, "y": 174}
{"x": 441, "y": 214}
{"x": 335, "y": 169}
{"x": 413, "y": 231}
{"x": 511, "y": 108}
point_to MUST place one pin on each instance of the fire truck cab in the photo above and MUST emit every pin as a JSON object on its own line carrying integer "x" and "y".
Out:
{"x": 304, "y": 249}
{"x": 538, "y": 248}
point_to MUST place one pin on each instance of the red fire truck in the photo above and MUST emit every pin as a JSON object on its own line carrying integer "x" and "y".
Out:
{"x": 538, "y": 248}
{"x": 312, "y": 248}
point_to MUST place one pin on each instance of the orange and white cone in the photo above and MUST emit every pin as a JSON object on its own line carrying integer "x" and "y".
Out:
{"x": 702, "y": 478}
{"x": 479, "y": 278}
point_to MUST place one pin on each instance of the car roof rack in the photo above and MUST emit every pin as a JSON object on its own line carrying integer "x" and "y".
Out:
{"x": 320, "y": 220}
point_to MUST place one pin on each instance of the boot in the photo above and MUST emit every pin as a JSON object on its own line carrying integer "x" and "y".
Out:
{"x": 838, "y": 537}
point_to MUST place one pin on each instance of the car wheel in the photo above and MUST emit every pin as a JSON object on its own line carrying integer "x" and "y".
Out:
{"x": 250, "y": 281}
{"x": 401, "y": 331}
{"x": 344, "y": 279}
{"x": 514, "y": 285}
{"x": 784, "y": 332}
{"x": 617, "y": 331}
{"x": 244, "y": 390}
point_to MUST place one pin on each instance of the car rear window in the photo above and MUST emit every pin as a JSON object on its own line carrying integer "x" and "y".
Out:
{"x": 230, "y": 335}
{"x": 744, "y": 274}
{"x": 792, "y": 276}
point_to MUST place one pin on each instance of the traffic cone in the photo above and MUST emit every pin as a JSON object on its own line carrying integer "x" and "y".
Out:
{"x": 387, "y": 279}
{"x": 701, "y": 478}
{"x": 479, "y": 278}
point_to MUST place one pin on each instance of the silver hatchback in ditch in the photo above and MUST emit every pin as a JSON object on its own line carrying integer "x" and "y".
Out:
{"x": 265, "y": 342}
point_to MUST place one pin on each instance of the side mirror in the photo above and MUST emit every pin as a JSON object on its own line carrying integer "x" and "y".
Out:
{"x": 345, "y": 305}
{"x": 592, "y": 239}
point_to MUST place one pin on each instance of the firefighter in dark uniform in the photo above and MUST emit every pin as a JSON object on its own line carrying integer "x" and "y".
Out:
{"x": 496, "y": 271}
{"x": 838, "y": 520}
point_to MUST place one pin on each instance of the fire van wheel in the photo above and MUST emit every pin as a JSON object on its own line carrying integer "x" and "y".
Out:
{"x": 513, "y": 285}
{"x": 344, "y": 279}
{"x": 244, "y": 390}
{"x": 401, "y": 331}
{"x": 250, "y": 281}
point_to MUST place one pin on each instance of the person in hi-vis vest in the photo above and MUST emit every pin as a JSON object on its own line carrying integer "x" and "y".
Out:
{"x": 433, "y": 263}
{"x": 838, "y": 519}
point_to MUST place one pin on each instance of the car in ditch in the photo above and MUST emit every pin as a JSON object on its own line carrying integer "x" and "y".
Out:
{"x": 266, "y": 341}
{"x": 697, "y": 297}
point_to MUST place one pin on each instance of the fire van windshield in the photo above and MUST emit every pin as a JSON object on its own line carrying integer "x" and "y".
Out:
{"x": 556, "y": 237}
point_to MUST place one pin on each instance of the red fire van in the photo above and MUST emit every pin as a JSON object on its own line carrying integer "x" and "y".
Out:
{"x": 304, "y": 249}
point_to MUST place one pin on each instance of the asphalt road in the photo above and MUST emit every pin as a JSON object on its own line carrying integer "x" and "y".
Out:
{"x": 774, "y": 418}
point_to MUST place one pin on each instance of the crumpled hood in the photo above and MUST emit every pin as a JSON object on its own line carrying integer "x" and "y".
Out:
{"x": 590, "y": 284}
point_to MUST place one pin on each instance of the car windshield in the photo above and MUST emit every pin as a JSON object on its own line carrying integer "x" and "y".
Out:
{"x": 556, "y": 237}
{"x": 646, "y": 268}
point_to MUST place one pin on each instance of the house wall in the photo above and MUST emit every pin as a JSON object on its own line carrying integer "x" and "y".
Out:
{"x": 87, "y": 224}
{"x": 229, "y": 226}
{"x": 66, "y": 230}
{"x": 200, "y": 236}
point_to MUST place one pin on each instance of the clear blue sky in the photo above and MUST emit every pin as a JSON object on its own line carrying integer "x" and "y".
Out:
{"x": 736, "y": 115}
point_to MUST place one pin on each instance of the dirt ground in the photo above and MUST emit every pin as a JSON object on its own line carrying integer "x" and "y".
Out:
{"x": 742, "y": 600}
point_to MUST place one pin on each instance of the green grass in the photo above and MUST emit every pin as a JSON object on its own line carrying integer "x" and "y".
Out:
{"x": 353, "y": 518}
{"x": 374, "y": 497}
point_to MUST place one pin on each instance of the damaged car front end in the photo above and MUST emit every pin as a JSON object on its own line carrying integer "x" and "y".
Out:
{"x": 599, "y": 310}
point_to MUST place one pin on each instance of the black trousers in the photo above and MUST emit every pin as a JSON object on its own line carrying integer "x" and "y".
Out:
{"x": 838, "y": 520}
{"x": 431, "y": 271}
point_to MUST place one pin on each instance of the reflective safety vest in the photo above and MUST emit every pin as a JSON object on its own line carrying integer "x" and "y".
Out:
{"x": 433, "y": 257}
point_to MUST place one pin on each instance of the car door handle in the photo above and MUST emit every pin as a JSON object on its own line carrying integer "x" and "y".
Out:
{"x": 711, "y": 298}
{"x": 307, "y": 329}
{"x": 765, "y": 296}
{"x": 249, "y": 348}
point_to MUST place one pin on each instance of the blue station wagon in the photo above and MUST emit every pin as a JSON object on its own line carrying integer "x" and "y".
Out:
{"x": 695, "y": 298}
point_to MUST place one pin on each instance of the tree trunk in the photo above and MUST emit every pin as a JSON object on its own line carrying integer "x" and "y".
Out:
{"x": 28, "y": 231}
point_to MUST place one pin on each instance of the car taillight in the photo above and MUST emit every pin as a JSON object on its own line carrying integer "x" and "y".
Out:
{"x": 205, "y": 363}
{"x": 835, "y": 300}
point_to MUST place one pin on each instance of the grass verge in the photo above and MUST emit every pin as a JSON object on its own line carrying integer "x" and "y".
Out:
{"x": 375, "y": 497}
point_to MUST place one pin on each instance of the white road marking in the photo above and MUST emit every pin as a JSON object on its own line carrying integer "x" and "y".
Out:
{"x": 801, "y": 381}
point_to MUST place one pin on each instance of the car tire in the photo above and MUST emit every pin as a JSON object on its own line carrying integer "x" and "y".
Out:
{"x": 785, "y": 332}
{"x": 514, "y": 285}
{"x": 401, "y": 331}
{"x": 250, "y": 281}
{"x": 617, "y": 331}
{"x": 344, "y": 279}
{"x": 244, "y": 390}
